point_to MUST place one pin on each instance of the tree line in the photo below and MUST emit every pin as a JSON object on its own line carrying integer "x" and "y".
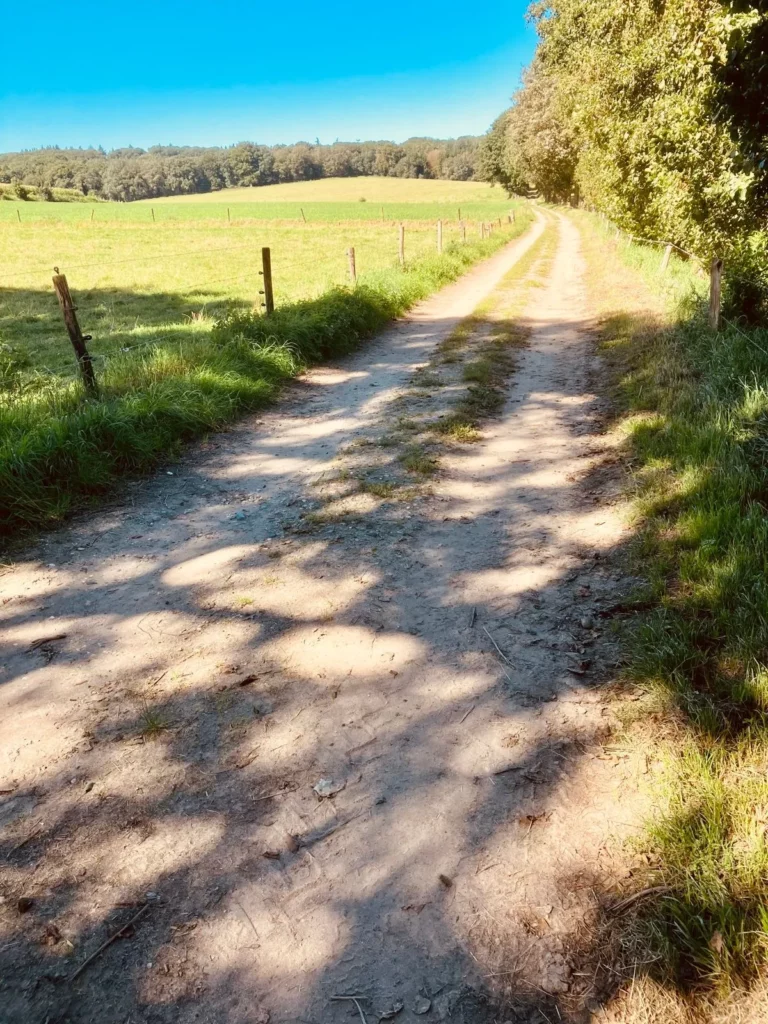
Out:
{"x": 653, "y": 112}
{"x": 128, "y": 174}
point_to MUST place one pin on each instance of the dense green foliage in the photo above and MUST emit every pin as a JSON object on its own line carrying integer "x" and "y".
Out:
{"x": 128, "y": 174}
{"x": 656, "y": 108}
{"x": 58, "y": 449}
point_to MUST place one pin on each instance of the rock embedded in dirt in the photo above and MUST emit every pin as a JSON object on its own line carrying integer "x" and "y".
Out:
{"x": 393, "y": 1011}
{"x": 326, "y": 788}
{"x": 421, "y": 1005}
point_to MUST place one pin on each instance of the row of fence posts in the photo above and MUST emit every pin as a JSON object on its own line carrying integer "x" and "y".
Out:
{"x": 78, "y": 339}
{"x": 485, "y": 232}
{"x": 715, "y": 279}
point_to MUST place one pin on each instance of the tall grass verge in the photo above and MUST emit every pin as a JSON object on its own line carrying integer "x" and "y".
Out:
{"x": 59, "y": 450}
{"x": 695, "y": 410}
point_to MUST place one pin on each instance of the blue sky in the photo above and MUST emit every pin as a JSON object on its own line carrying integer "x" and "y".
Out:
{"x": 212, "y": 74}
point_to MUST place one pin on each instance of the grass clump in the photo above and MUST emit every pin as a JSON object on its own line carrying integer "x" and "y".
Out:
{"x": 417, "y": 460}
{"x": 457, "y": 428}
{"x": 379, "y": 488}
{"x": 152, "y": 723}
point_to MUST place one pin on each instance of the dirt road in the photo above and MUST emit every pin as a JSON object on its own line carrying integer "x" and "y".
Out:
{"x": 181, "y": 670}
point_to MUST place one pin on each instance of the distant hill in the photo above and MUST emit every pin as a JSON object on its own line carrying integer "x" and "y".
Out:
{"x": 130, "y": 174}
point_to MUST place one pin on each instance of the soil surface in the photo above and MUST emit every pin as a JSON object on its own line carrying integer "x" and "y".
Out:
{"x": 304, "y": 745}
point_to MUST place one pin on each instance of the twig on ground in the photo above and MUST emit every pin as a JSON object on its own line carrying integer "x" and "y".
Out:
{"x": 473, "y": 617}
{"x": 46, "y": 640}
{"x": 32, "y": 835}
{"x": 311, "y": 840}
{"x": 467, "y": 713}
{"x": 624, "y": 904}
{"x": 110, "y": 940}
{"x": 499, "y": 651}
{"x": 352, "y": 999}
{"x": 248, "y": 918}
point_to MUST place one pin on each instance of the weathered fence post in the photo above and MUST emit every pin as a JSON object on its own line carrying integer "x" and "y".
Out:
{"x": 76, "y": 336}
{"x": 302, "y": 215}
{"x": 715, "y": 282}
{"x": 352, "y": 267}
{"x": 229, "y": 219}
{"x": 665, "y": 258}
{"x": 463, "y": 229}
{"x": 482, "y": 229}
{"x": 439, "y": 237}
{"x": 401, "y": 245}
{"x": 266, "y": 271}
{"x": 513, "y": 216}
{"x": 153, "y": 213}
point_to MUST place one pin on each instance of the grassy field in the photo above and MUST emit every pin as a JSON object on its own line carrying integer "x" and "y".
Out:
{"x": 694, "y": 408}
{"x": 335, "y": 200}
{"x": 140, "y": 281}
{"x": 180, "y": 347}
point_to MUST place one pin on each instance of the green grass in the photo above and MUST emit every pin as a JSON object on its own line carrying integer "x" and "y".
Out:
{"x": 695, "y": 411}
{"x": 140, "y": 283}
{"x": 418, "y": 460}
{"x": 58, "y": 450}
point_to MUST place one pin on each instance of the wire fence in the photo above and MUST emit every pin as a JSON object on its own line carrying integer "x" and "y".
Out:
{"x": 170, "y": 296}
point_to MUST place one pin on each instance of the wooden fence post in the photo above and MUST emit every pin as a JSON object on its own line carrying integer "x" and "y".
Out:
{"x": 76, "y": 336}
{"x": 715, "y": 282}
{"x": 463, "y": 229}
{"x": 482, "y": 229}
{"x": 229, "y": 219}
{"x": 401, "y": 245}
{"x": 513, "y": 216}
{"x": 302, "y": 215}
{"x": 439, "y": 237}
{"x": 352, "y": 267}
{"x": 665, "y": 258}
{"x": 459, "y": 214}
{"x": 153, "y": 213}
{"x": 266, "y": 271}
{"x": 18, "y": 214}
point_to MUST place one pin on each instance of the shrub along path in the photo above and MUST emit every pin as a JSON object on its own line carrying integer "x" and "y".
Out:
{"x": 326, "y": 704}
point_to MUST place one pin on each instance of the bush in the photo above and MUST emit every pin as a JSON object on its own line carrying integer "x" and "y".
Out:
{"x": 745, "y": 289}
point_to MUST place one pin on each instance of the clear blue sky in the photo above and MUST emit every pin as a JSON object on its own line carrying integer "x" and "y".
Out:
{"x": 215, "y": 73}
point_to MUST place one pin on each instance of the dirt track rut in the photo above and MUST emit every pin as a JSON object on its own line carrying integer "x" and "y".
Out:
{"x": 440, "y": 662}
